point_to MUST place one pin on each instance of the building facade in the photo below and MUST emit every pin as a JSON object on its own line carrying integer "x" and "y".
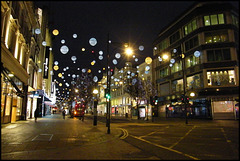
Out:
{"x": 23, "y": 29}
{"x": 199, "y": 52}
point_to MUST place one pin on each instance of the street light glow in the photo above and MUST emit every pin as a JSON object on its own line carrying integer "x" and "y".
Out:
{"x": 129, "y": 51}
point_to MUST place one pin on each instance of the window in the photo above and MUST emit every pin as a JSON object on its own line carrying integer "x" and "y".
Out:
{"x": 191, "y": 61}
{"x": 214, "y": 19}
{"x": 214, "y": 37}
{"x": 190, "y": 27}
{"x": 177, "y": 85}
{"x": 163, "y": 72}
{"x": 177, "y": 66}
{"x": 221, "y": 78}
{"x": 191, "y": 43}
{"x": 174, "y": 37}
{"x": 218, "y": 55}
{"x": 194, "y": 81}
{"x": 162, "y": 45}
{"x": 235, "y": 20}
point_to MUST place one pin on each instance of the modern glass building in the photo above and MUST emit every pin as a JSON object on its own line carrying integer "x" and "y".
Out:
{"x": 197, "y": 55}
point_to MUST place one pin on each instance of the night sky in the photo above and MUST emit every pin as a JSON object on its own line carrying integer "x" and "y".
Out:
{"x": 135, "y": 22}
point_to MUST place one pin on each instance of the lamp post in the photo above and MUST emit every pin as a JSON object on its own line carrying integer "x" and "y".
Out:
{"x": 129, "y": 51}
{"x": 108, "y": 88}
{"x": 95, "y": 92}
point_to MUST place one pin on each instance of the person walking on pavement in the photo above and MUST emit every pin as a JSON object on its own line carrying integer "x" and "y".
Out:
{"x": 36, "y": 115}
{"x": 64, "y": 113}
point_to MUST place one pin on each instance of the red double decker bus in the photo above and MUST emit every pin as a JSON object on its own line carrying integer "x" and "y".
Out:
{"x": 78, "y": 110}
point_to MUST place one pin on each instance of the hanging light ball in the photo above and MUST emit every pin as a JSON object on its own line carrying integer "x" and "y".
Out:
{"x": 55, "y": 32}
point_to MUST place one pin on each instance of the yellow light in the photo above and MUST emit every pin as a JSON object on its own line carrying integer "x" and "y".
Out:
{"x": 83, "y": 49}
{"x": 165, "y": 56}
{"x": 103, "y": 68}
{"x": 92, "y": 63}
{"x": 89, "y": 71}
{"x": 55, "y": 67}
{"x": 60, "y": 84}
{"x": 60, "y": 75}
{"x": 95, "y": 91}
{"x": 192, "y": 94}
{"x": 129, "y": 51}
{"x": 55, "y": 32}
{"x": 126, "y": 45}
{"x": 148, "y": 60}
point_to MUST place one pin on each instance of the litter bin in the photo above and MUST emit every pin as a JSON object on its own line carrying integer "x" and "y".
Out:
{"x": 126, "y": 115}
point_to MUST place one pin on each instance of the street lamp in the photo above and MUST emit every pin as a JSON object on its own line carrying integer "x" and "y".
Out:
{"x": 95, "y": 92}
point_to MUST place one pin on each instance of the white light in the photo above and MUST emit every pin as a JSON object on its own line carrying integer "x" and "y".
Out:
{"x": 92, "y": 41}
{"x": 95, "y": 78}
{"x": 64, "y": 49}
{"x": 62, "y": 41}
{"x": 56, "y": 62}
{"x": 114, "y": 61}
{"x": 37, "y": 31}
{"x": 136, "y": 59}
{"x": 172, "y": 61}
{"x": 100, "y": 52}
{"x": 117, "y": 55}
{"x": 100, "y": 57}
{"x": 44, "y": 43}
{"x": 141, "y": 48}
{"x": 174, "y": 50}
{"x": 75, "y": 36}
{"x": 197, "y": 54}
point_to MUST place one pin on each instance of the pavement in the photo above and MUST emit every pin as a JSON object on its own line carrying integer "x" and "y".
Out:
{"x": 53, "y": 138}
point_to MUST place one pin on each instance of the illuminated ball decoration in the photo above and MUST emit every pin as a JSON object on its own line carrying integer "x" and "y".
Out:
{"x": 74, "y": 58}
{"x": 172, "y": 61}
{"x": 84, "y": 70}
{"x": 55, "y": 67}
{"x": 89, "y": 71}
{"x": 100, "y": 57}
{"x": 60, "y": 84}
{"x": 148, "y": 60}
{"x": 44, "y": 43}
{"x": 60, "y": 75}
{"x": 95, "y": 78}
{"x": 62, "y": 41}
{"x": 117, "y": 55}
{"x": 64, "y": 49}
{"x": 74, "y": 36}
{"x": 197, "y": 54}
{"x": 141, "y": 48}
{"x": 92, "y": 41}
{"x": 114, "y": 61}
{"x": 37, "y": 31}
{"x": 55, "y": 32}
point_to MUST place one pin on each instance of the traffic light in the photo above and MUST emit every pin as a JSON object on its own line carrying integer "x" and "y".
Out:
{"x": 152, "y": 101}
{"x": 156, "y": 100}
{"x": 107, "y": 93}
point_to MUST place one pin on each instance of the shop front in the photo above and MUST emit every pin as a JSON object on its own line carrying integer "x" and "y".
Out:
{"x": 11, "y": 100}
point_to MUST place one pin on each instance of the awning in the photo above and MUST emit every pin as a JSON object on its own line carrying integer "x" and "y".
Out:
{"x": 49, "y": 104}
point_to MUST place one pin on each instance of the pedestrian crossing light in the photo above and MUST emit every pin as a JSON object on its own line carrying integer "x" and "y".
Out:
{"x": 107, "y": 94}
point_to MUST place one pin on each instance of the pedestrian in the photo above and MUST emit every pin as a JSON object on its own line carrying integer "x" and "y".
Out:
{"x": 36, "y": 115}
{"x": 81, "y": 116}
{"x": 64, "y": 113}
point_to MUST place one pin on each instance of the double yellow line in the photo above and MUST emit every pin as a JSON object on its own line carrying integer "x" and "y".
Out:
{"x": 125, "y": 133}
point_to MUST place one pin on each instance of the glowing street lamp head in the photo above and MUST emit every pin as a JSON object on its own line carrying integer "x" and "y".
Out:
{"x": 165, "y": 56}
{"x": 129, "y": 51}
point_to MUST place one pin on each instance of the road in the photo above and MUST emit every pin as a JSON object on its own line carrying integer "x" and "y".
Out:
{"x": 52, "y": 137}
